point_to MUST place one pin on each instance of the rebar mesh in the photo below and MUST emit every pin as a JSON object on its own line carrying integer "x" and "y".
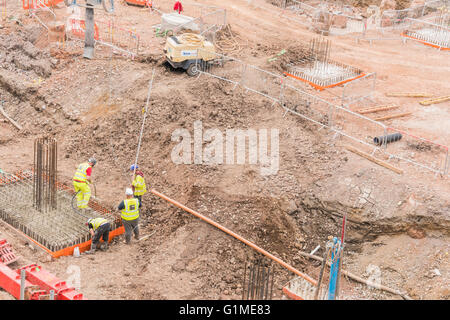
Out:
{"x": 45, "y": 174}
{"x": 56, "y": 228}
{"x": 317, "y": 68}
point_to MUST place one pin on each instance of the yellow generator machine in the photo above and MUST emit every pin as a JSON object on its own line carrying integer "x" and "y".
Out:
{"x": 189, "y": 51}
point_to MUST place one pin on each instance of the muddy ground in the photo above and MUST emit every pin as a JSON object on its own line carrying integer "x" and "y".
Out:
{"x": 399, "y": 224}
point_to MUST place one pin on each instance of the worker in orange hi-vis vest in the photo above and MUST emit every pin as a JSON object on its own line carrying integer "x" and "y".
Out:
{"x": 178, "y": 7}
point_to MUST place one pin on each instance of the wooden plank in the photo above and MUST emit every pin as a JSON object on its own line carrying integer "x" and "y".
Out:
{"x": 433, "y": 101}
{"x": 147, "y": 236}
{"x": 392, "y": 116}
{"x": 376, "y": 109}
{"x": 373, "y": 159}
{"x": 409, "y": 94}
{"x": 18, "y": 126}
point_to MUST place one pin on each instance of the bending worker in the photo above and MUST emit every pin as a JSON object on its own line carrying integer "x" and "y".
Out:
{"x": 138, "y": 185}
{"x": 99, "y": 228}
{"x": 130, "y": 215}
{"x": 80, "y": 182}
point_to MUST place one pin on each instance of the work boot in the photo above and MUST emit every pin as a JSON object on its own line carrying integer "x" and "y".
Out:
{"x": 104, "y": 246}
{"x": 93, "y": 248}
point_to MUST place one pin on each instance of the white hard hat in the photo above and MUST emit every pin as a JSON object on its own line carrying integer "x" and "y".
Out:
{"x": 129, "y": 192}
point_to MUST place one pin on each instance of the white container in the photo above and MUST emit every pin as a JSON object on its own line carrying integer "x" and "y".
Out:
{"x": 76, "y": 252}
{"x": 170, "y": 21}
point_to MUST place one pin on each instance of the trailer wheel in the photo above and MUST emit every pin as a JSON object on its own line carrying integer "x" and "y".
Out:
{"x": 108, "y": 6}
{"x": 192, "y": 70}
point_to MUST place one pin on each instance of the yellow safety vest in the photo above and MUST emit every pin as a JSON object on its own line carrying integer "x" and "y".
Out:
{"x": 97, "y": 222}
{"x": 80, "y": 174}
{"x": 131, "y": 211}
{"x": 139, "y": 186}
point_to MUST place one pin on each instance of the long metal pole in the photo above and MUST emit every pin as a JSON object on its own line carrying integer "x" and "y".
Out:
{"x": 243, "y": 284}
{"x": 143, "y": 121}
{"x": 22, "y": 284}
{"x": 89, "y": 41}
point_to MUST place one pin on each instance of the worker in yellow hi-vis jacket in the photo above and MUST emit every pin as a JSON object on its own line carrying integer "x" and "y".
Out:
{"x": 138, "y": 185}
{"x": 81, "y": 179}
{"x": 98, "y": 228}
{"x": 129, "y": 209}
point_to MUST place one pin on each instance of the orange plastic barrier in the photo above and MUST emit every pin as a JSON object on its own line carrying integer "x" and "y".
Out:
{"x": 79, "y": 27}
{"x": 35, "y": 4}
{"x": 141, "y": 3}
{"x": 86, "y": 245}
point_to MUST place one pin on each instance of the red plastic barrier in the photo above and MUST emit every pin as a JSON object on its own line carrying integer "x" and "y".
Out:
{"x": 35, "y": 4}
{"x": 7, "y": 256}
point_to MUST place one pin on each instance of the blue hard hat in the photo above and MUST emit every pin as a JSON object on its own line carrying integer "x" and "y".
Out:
{"x": 133, "y": 166}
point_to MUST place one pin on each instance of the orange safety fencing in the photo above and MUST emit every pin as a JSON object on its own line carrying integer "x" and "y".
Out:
{"x": 403, "y": 34}
{"x": 320, "y": 88}
{"x": 35, "y": 4}
{"x": 85, "y": 246}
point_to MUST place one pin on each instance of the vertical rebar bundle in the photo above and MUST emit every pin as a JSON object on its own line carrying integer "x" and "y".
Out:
{"x": 320, "y": 49}
{"x": 259, "y": 285}
{"x": 45, "y": 174}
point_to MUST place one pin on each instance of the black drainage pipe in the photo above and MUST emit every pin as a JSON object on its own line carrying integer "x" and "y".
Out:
{"x": 387, "y": 139}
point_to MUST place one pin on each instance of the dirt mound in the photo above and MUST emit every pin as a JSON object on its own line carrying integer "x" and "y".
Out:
{"x": 19, "y": 55}
{"x": 292, "y": 55}
{"x": 23, "y": 70}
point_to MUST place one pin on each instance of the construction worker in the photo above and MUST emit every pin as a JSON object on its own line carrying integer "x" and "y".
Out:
{"x": 178, "y": 7}
{"x": 130, "y": 215}
{"x": 99, "y": 228}
{"x": 80, "y": 182}
{"x": 138, "y": 185}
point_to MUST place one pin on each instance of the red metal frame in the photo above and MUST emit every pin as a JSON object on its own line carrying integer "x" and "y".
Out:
{"x": 46, "y": 281}
{"x": 10, "y": 280}
{"x": 38, "y": 283}
{"x": 7, "y": 256}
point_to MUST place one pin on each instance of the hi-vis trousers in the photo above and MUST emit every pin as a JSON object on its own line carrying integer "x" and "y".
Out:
{"x": 83, "y": 195}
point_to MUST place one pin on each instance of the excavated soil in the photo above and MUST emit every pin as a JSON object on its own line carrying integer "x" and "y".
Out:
{"x": 397, "y": 223}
